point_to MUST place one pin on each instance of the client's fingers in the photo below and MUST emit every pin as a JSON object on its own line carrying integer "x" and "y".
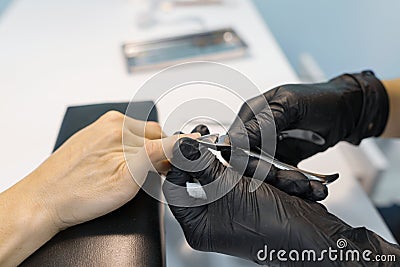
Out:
{"x": 161, "y": 149}
{"x": 153, "y": 130}
{"x": 130, "y": 139}
{"x": 148, "y": 129}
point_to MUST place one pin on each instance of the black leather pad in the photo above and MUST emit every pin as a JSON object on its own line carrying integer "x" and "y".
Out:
{"x": 133, "y": 235}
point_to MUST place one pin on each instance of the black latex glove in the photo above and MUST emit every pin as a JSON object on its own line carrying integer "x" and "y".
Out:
{"x": 347, "y": 108}
{"x": 241, "y": 223}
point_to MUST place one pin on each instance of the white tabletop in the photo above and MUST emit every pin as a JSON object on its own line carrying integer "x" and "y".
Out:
{"x": 56, "y": 53}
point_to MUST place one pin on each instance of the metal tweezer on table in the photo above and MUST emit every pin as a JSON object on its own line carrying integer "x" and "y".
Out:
{"x": 222, "y": 143}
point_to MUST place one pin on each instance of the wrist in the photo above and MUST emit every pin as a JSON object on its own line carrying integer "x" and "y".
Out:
{"x": 28, "y": 225}
{"x": 36, "y": 205}
{"x": 376, "y": 108}
{"x": 373, "y": 109}
{"x": 35, "y": 188}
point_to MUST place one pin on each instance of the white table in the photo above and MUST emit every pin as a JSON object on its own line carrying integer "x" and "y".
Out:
{"x": 59, "y": 53}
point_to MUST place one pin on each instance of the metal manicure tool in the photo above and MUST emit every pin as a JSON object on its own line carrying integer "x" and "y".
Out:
{"x": 222, "y": 143}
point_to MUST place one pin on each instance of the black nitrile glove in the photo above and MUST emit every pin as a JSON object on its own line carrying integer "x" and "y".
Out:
{"x": 347, "y": 108}
{"x": 246, "y": 224}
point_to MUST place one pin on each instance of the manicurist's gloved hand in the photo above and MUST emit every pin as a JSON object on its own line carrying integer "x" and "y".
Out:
{"x": 251, "y": 225}
{"x": 347, "y": 108}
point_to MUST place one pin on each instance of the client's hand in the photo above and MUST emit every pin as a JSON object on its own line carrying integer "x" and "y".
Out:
{"x": 88, "y": 176}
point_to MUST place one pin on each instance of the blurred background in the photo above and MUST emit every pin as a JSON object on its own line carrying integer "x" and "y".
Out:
{"x": 341, "y": 36}
{"x": 320, "y": 39}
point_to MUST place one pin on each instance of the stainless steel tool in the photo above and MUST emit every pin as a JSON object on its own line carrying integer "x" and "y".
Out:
{"x": 209, "y": 45}
{"x": 222, "y": 143}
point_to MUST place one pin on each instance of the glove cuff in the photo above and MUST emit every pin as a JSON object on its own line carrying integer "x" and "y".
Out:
{"x": 375, "y": 107}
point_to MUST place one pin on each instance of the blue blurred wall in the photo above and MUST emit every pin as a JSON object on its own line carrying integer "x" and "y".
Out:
{"x": 3, "y": 5}
{"x": 342, "y": 35}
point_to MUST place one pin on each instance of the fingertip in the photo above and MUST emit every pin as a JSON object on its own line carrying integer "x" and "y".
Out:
{"x": 153, "y": 130}
{"x": 202, "y": 129}
{"x": 319, "y": 191}
{"x": 294, "y": 183}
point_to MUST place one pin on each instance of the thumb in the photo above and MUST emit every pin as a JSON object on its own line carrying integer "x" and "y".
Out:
{"x": 259, "y": 131}
{"x": 174, "y": 188}
{"x": 186, "y": 209}
{"x": 264, "y": 126}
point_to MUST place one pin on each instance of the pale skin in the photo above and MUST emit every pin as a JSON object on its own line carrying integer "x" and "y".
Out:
{"x": 88, "y": 177}
{"x": 85, "y": 178}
